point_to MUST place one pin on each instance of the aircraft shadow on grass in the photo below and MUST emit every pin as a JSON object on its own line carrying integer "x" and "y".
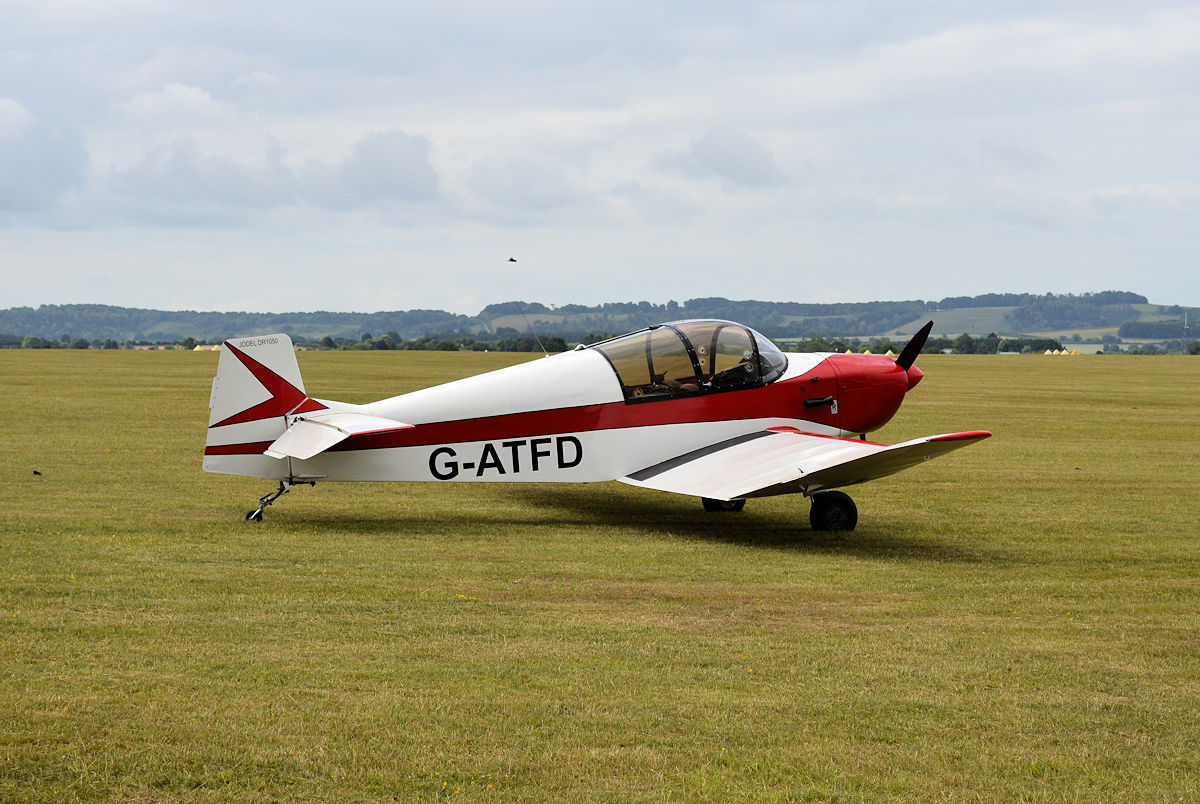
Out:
{"x": 655, "y": 516}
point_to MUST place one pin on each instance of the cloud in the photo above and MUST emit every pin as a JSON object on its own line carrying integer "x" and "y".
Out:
{"x": 383, "y": 166}
{"x": 15, "y": 120}
{"x": 257, "y": 78}
{"x": 179, "y": 182}
{"x": 728, "y": 154}
{"x": 681, "y": 136}
{"x": 182, "y": 181}
{"x": 1160, "y": 201}
{"x": 175, "y": 103}
{"x": 1014, "y": 156}
{"x": 39, "y": 162}
{"x": 524, "y": 184}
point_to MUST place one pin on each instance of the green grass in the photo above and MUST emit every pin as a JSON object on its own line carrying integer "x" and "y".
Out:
{"x": 1018, "y": 620}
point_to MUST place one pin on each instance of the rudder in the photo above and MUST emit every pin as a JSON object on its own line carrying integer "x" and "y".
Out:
{"x": 257, "y": 384}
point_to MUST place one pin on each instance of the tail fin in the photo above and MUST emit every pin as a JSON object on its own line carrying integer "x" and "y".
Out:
{"x": 257, "y": 384}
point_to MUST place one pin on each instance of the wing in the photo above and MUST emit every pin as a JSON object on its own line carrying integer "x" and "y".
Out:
{"x": 787, "y": 461}
{"x": 313, "y": 433}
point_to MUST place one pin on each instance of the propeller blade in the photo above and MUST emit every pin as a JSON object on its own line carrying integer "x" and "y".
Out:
{"x": 913, "y": 348}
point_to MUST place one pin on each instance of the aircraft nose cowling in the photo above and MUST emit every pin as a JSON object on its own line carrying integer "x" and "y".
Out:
{"x": 914, "y": 376}
{"x": 870, "y": 390}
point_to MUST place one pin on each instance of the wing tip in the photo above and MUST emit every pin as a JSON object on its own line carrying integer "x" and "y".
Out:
{"x": 970, "y": 435}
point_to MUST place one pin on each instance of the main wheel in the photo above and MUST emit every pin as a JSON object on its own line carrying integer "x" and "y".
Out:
{"x": 833, "y": 510}
{"x": 254, "y": 516}
{"x": 722, "y": 505}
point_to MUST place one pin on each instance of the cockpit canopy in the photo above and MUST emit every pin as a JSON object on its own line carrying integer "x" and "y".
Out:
{"x": 689, "y": 358}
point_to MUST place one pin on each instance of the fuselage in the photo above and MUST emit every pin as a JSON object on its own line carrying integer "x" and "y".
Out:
{"x": 600, "y": 412}
{"x": 706, "y": 408}
{"x": 565, "y": 419}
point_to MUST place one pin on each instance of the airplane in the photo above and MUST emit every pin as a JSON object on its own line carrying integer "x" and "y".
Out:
{"x": 705, "y": 407}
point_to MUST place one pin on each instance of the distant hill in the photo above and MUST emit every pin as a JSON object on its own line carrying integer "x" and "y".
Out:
{"x": 1010, "y": 315}
{"x": 54, "y": 321}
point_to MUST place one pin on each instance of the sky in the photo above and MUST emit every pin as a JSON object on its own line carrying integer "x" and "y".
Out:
{"x": 367, "y": 155}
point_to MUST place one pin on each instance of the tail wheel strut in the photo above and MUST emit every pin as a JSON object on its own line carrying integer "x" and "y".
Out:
{"x": 284, "y": 487}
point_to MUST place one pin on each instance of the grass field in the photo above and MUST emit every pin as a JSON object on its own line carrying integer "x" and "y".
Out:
{"x": 1016, "y": 621}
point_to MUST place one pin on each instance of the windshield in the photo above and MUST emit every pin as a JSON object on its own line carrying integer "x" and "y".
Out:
{"x": 686, "y": 358}
{"x": 772, "y": 362}
{"x": 651, "y": 364}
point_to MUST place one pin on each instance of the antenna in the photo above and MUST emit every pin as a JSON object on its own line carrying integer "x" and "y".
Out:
{"x": 529, "y": 326}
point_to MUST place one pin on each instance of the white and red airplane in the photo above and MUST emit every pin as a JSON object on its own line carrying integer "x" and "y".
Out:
{"x": 704, "y": 407}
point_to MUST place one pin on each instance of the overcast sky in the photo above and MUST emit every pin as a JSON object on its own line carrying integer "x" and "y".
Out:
{"x": 366, "y": 155}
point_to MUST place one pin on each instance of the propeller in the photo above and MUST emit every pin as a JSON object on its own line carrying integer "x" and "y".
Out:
{"x": 908, "y": 355}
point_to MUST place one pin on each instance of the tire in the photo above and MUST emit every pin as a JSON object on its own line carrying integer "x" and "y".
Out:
{"x": 832, "y": 511}
{"x": 722, "y": 505}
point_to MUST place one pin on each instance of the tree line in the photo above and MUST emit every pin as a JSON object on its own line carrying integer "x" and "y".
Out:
{"x": 963, "y": 344}
{"x": 824, "y": 325}
{"x": 1026, "y": 312}
{"x": 510, "y": 340}
{"x": 1162, "y": 330}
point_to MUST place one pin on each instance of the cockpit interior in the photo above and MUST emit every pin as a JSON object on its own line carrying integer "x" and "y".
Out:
{"x": 690, "y": 358}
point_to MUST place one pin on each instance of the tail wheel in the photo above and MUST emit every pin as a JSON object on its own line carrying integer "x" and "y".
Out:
{"x": 722, "y": 505}
{"x": 833, "y": 510}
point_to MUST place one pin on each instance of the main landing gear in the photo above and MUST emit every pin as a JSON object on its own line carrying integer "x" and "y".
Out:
{"x": 831, "y": 510}
{"x": 284, "y": 487}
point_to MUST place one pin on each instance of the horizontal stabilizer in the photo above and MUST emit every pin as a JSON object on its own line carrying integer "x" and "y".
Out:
{"x": 785, "y": 461}
{"x": 312, "y": 433}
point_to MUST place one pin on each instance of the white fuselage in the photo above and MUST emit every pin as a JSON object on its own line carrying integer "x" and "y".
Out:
{"x": 558, "y": 419}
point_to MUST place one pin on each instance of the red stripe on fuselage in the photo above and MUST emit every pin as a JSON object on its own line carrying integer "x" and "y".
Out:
{"x": 255, "y": 448}
{"x": 780, "y": 400}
